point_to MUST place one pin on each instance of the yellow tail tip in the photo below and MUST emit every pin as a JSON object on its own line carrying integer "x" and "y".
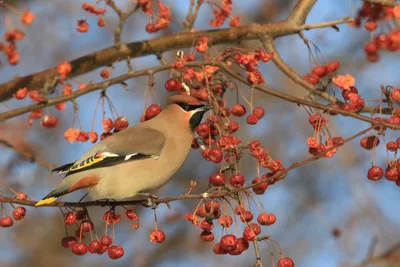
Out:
{"x": 45, "y": 201}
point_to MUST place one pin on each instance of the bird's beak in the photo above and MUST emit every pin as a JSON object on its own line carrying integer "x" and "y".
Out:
{"x": 205, "y": 108}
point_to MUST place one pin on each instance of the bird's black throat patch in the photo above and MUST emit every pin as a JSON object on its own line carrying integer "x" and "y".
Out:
{"x": 196, "y": 119}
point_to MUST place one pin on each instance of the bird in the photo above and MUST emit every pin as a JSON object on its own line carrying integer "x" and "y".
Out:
{"x": 137, "y": 160}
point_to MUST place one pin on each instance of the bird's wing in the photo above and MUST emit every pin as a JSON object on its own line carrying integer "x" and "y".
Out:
{"x": 128, "y": 145}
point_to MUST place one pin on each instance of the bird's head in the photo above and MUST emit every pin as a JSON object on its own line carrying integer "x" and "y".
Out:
{"x": 188, "y": 108}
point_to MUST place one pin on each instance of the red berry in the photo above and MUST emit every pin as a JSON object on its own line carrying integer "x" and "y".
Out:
{"x": 333, "y": 66}
{"x": 237, "y": 180}
{"x": 242, "y": 245}
{"x": 201, "y": 211}
{"x": 103, "y": 249}
{"x": 217, "y": 179}
{"x": 95, "y": 246}
{"x": 252, "y": 119}
{"x": 70, "y": 218}
{"x": 271, "y": 219}
{"x": 263, "y": 218}
{"x": 79, "y": 248}
{"x": 108, "y": 125}
{"x": 228, "y": 242}
{"x": 319, "y": 71}
{"x": 212, "y": 206}
{"x": 68, "y": 241}
{"x": 204, "y": 129}
{"x": 346, "y": 93}
{"x": 131, "y": 215}
{"x": 391, "y": 146}
{"x": 205, "y": 153}
{"x": 121, "y": 123}
{"x": 152, "y": 111}
{"x": 207, "y": 236}
{"x": 375, "y": 173}
{"x": 370, "y": 25}
{"x": 258, "y": 112}
{"x": 285, "y": 262}
{"x": 218, "y": 250}
{"x": 105, "y": 73}
{"x": 206, "y": 225}
{"x": 238, "y": 110}
{"x": 392, "y": 173}
{"x": 371, "y": 48}
{"x": 6, "y": 222}
{"x": 19, "y": 213}
{"x": 22, "y": 196}
{"x": 93, "y": 136}
{"x": 246, "y": 216}
{"x": 106, "y": 240}
{"x": 249, "y": 235}
{"x": 215, "y": 155}
{"x": 151, "y": 28}
{"x": 173, "y": 85}
{"x": 232, "y": 127}
{"x": 86, "y": 226}
{"x": 259, "y": 189}
{"x": 373, "y": 57}
{"x": 256, "y": 228}
{"x": 225, "y": 221}
{"x": 369, "y": 142}
{"x": 80, "y": 214}
{"x": 311, "y": 78}
{"x": 157, "y": 236}
{"x": 49, "y": 121}
{"x": 115, "y": 252}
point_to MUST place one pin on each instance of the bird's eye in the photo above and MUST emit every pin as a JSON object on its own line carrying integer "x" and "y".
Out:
{"x": 188, "y": 107}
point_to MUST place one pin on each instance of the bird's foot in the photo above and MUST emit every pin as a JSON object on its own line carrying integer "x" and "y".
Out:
{"x": 151, "y": 199}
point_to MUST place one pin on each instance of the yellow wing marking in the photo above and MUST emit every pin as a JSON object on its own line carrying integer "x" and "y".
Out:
{"x": 46, "y": 201}
{"x": 86, "y": 163}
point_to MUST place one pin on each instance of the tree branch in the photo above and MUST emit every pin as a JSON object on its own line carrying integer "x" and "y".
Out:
{"x": 222, "y": 66}
{"x": 300, "y": 11}
{"x": 276, "y": 177}
{"x": 108, "y": 56}
{"x": 27, "y": 155}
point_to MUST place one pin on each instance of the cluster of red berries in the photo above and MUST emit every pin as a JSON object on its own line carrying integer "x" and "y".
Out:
{"x": 109, "y": 127}
{"x": 13, "y": 35}
{"x": 159, "y": 21}
{"x": 83, "y": 25}
{"x": 249, "y": 61}
{"x": 210, "y": 211}
{"x": 316, "y": 143}
{"x": 18, "y": 213}
{"x": 98, "y": 245}
{"x": 321, "y": 71}
{"x": 392, "y": 171}
{"x": 374, "y": 13}
{"x": 222, "y": 12}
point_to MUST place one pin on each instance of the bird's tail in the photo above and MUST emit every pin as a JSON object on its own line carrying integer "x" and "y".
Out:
{"x": 52, "y": 196}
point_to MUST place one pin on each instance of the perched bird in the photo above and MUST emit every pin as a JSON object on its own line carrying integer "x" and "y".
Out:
{"x": 136, "y": 160}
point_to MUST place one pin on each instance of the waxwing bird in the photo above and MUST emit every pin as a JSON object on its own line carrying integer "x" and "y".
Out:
{"x": 136, "y": 160}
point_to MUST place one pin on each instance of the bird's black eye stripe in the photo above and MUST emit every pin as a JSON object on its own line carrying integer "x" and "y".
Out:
{"x": 188, "y": 107}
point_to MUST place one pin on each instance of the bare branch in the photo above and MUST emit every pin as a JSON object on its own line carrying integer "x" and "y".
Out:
{"x": 27, "y": 155}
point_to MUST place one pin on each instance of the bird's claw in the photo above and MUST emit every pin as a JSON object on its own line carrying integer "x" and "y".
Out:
{"x": 151, "y": 203}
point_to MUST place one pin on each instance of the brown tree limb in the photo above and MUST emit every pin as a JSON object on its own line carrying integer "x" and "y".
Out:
{"x": 220, "y": 194}
{"x": 27, "y": 155}
{"x": 222, "y": 66}
{"x": 300, "y": 11}
{"x": 110, "y": 55}
{"x": 288, "y": 71}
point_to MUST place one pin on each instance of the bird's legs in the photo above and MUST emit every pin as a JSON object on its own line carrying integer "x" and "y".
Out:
{"x": 150, "y": 199}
